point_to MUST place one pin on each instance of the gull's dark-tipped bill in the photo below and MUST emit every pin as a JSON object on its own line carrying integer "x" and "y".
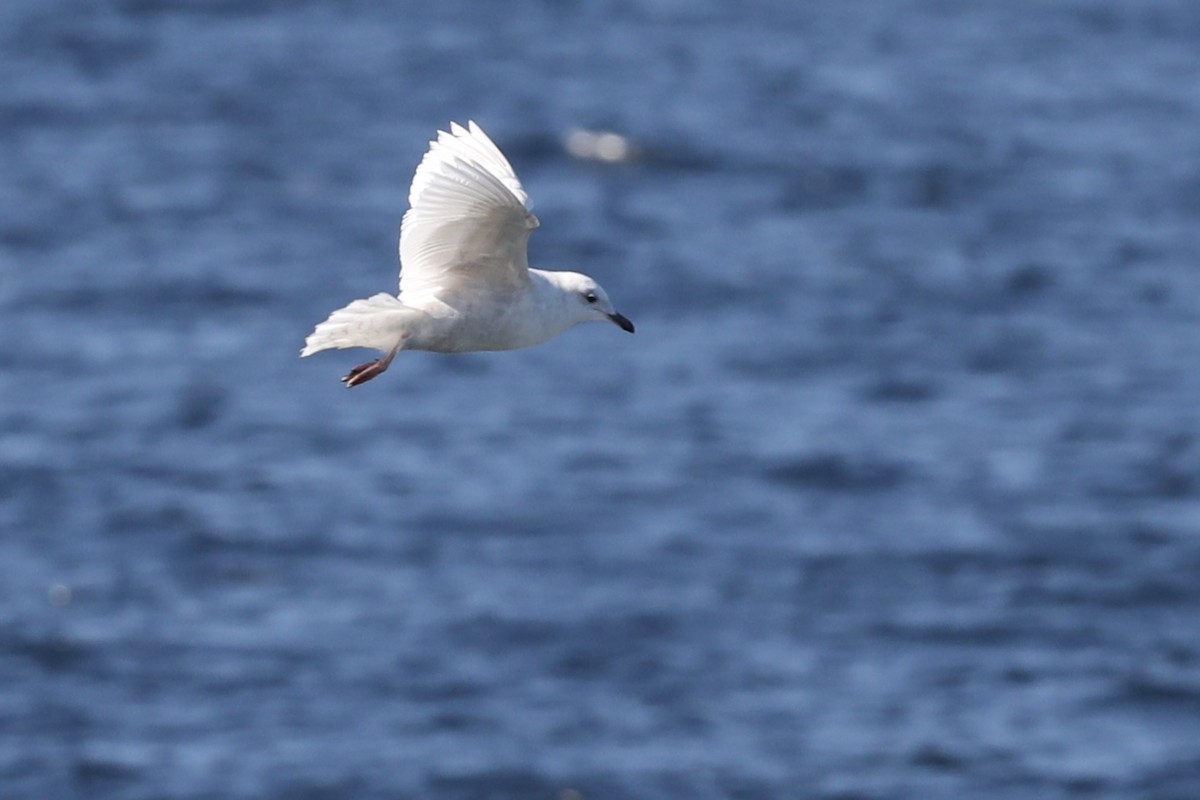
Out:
{"x": 622, "y": 321}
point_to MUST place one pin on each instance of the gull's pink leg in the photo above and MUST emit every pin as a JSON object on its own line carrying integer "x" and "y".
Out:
{"x": 364, "y": 372}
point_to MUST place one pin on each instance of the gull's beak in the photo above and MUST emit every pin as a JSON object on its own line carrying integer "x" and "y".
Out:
{"x": 621, "y": 321}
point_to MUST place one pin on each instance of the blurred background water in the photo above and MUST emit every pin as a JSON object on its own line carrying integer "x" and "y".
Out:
{"x": 895, "y": 493}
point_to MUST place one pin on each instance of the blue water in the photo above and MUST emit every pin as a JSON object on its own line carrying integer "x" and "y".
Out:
{"x": 894, "y": 494}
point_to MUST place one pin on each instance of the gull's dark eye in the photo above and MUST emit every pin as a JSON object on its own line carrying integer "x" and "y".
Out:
{"x": 590, "y": 297}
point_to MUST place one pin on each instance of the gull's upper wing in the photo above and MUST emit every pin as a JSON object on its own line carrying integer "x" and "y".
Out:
{"x": 467, "y": 222}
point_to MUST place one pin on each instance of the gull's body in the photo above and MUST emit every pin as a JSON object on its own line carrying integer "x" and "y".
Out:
{"x": 465, "y": 280}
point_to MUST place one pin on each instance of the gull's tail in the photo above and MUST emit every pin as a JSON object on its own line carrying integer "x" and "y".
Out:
{"x": 378, "y": 322}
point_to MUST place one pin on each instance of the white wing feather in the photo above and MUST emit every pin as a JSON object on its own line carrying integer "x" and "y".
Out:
{"x": 467, "y": 222}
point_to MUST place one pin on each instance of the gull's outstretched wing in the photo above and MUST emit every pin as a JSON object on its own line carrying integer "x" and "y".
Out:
{"x": 467, "y": 223}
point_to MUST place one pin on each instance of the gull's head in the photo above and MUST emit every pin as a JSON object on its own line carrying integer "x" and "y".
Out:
{"x": 589, "y": 301}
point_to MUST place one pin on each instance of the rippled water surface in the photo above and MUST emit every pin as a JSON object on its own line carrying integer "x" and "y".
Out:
{"x": 895, "y": 493}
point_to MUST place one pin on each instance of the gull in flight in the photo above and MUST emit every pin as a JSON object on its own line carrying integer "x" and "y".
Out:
{"x": 465, "y": 280}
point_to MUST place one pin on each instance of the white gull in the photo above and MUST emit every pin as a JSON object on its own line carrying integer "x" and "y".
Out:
{"x": 465, "y": 280}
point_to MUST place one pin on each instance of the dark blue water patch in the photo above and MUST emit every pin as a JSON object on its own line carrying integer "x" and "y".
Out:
{"x": 483, "y": 524}
{"x": 938, "y": 759}
{"x": 201, "y": 296}
{"x": 1179, "y": 697}
{"x": 896, "y": 389}
{"x": 790, "y": 360}
{"x": 837, "y": 472}
{"x": 28, "y": 237}
{"x": 1096, "y": 583}
{"x": 50, "y": 651}
{"x": 1028, "y": 280}
{"x": 99, "y": 51}
{"x": 1169, "y": 470}
{"x": 824, "y": 187}
{"x": 495, "y": 784}
{"x": 1174, "y": 781}
{"x": 325, "y": 788}
{"x": 201, "y": 406}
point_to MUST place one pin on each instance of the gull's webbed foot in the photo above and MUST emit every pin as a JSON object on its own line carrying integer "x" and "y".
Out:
{"x": 364, "y": 372}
